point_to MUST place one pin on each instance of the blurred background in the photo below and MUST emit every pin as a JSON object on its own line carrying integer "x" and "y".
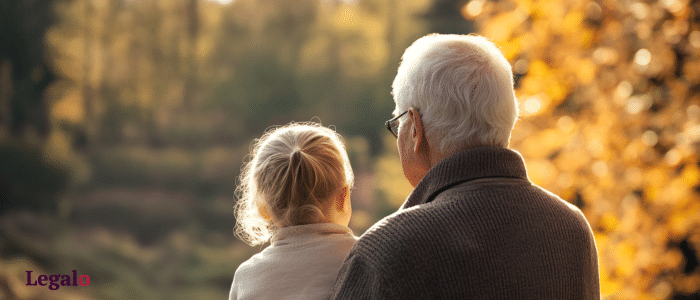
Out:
{"x": 124, "y": 124}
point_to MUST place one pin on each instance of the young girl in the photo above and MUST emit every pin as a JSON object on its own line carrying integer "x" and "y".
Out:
{"x": 294, "y": 192}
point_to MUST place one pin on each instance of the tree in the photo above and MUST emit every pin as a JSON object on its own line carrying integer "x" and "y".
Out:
{"x": 28, "y": 178}
{"x": 611, "y": 122}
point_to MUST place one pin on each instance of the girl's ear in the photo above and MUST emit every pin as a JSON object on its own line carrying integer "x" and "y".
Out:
{"x": 263, "y": 212}
{"x": 341, "y": 198}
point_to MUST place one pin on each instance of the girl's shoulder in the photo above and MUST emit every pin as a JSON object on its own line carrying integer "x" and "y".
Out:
{"x": 252, "y": 264}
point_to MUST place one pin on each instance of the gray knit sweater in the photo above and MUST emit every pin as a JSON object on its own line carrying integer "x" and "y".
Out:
{"x": 475, "y": 228}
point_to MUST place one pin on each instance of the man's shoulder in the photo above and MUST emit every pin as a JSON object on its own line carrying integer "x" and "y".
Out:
{"x": 507, "y": 190}
{"x": 403, "y": 220}
{"x": 563, "y": 208}
{"x": 398, "y": 233}
{"x": 377, "y": 265}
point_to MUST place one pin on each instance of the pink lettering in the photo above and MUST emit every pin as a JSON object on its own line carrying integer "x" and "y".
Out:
{"x": 84, "y": 280}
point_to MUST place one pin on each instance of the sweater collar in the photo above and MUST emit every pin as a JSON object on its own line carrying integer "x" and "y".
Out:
{"x": 470, "y": 164}
{"x": 309, "y": 231}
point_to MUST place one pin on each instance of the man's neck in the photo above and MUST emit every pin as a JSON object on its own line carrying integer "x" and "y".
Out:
{"x": 437, "y": 156}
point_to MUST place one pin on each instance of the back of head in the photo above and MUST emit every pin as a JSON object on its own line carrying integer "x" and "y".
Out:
{"x": 463, "y": 87}
{"x": 292, "y": 171}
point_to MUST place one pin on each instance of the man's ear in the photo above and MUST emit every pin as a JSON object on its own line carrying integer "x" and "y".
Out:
{"x": 417, "y": 129}
{"x": 340, "y": 198}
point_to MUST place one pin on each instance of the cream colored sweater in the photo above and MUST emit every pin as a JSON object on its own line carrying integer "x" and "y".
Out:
{"x": 302, "y": 262}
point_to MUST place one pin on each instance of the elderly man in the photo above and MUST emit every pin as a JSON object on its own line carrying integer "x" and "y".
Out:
{"x": 474, "y": 226}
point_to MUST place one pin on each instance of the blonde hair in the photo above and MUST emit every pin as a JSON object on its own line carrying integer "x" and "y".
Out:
{"x": 292, "y": 170}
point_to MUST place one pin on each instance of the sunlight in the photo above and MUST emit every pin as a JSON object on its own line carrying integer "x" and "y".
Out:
{"x": 222, "y": 2}
{"x": 532, "y": 105}
{"x": 642, "y": 57}
{"x": 472, "y": 9}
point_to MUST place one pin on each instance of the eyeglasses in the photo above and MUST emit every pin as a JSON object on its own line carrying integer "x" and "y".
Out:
{"x": 393, "y": 124}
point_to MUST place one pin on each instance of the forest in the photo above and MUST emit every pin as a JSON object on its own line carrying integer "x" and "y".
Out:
{"x": 124, "y": 125}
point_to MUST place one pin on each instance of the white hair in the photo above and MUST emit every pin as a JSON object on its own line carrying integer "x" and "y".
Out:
{"x": 462, "y": 86}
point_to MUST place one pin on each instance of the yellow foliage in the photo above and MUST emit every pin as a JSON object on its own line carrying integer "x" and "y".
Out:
{"x": 502, "y": 26}
{"x": 541, "y": 172}
{"x": 315, "y": 54}
{"x": 366, "y": 51}
{"x": 58, "y": 149}
{"x": 587, "y": 70}
{"x": 606, "y": 118}
{"x": 572, "y": 22}
{"x": 205, "y": 47}
{"x": 346, "y": 16}
{"x": 69, "y": 108}
{"x": 512, "y": 47}
{"x": 67, "y": 60}
{"x": 542, "y": 79}
{"x": 360, "y": 219}
{"x": 389, "y": 174}
{"x": 609, "y": 222}
{"x": 691, "y": 175}
{"x": 626, "y": 254}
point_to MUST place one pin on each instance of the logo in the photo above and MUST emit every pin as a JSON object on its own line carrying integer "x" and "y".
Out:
{"x": 58, "y": 280}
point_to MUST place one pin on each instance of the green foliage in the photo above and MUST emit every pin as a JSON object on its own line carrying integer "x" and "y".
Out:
{"x": 28, "y": 179}
{"x": 150, "y": 115}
